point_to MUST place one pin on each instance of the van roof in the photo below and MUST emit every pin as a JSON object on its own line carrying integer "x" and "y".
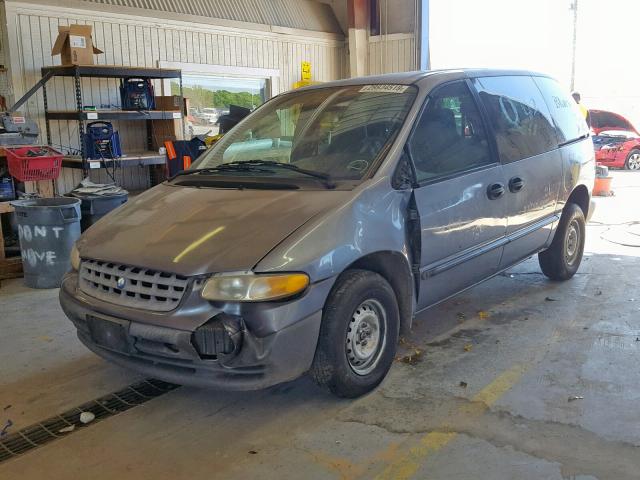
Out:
{"x": 410, "y": 78}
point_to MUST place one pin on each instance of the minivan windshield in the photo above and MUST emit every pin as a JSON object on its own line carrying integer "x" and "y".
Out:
{"x": 335, "y": 133}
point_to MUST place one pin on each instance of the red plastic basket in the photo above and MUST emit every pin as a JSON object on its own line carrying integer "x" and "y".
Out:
{"x": 32, "y": 163}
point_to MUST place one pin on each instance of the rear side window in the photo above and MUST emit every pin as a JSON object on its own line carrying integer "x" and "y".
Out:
{"x": 449, "y": 136}
{"x": 519, "y": 115}
{"x": 564, "y": 110}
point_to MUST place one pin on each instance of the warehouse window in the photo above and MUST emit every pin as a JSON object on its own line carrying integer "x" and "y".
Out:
{"x": 215, "y": 92}
{"x": 210, "y": 99}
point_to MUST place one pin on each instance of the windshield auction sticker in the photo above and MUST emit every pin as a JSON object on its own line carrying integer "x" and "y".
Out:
{"x": 384, "y": 88}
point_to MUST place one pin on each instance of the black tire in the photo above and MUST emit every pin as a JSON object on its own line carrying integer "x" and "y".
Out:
{"x": 633, "y": 160}
{"x": 562, "y": 259}
{"x": 357, "y": 298}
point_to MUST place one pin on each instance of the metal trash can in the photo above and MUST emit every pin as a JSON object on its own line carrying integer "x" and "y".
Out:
{"x": 47, "y": 228}
{"x": 94, "y": 207}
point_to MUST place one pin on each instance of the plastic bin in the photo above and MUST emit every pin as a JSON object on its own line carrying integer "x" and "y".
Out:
{"x": 47, "y": 228}
{"x": 94, "y": 207}
{"x": 33, "y": 163}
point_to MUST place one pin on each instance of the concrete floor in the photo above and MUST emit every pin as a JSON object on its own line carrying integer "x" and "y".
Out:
{"x": 535, "y": 345}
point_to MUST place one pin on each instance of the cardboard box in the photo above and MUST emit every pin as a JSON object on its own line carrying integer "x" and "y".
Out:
{"x": 170, "y": 129}
{"x": 75, "y": 45}
{"x": 170, "y": 103}
{"x": 163, "y": 130}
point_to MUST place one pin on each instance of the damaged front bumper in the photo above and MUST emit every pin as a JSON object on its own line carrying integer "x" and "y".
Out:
{"x": 232, "y": 346}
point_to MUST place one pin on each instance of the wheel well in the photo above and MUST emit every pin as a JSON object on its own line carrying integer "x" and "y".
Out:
{"x": 394, "y": 268}
{"x": 580, "y": 196}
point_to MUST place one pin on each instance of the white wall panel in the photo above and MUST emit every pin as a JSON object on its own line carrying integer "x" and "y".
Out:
{"x": 392, "y": 53}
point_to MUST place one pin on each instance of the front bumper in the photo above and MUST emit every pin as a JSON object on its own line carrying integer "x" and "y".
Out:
{"x": 275, "y": 342}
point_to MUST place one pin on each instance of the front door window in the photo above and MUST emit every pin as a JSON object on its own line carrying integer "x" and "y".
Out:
{"x": 449, "y": 136}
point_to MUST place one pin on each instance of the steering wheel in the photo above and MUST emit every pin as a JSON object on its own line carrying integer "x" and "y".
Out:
{"x": 358, "y": 165}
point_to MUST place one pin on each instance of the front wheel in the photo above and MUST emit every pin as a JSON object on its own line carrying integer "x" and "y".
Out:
{"x": 358, "y": 335}
{"x": 633, "y": 160}
{"x": 561, "y": 260}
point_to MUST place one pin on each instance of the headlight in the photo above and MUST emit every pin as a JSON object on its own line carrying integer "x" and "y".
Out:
{"x": 254, "y": 288}
{"x": 75, "y": 258}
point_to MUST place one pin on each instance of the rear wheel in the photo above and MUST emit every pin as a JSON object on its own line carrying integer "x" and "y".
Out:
{"x": 562, "y": 259}
{"x": 358, "y": 335}
{"x": 633, "y": 160}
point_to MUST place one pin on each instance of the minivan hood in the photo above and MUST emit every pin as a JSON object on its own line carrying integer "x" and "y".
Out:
{"x": 192, "y": 231}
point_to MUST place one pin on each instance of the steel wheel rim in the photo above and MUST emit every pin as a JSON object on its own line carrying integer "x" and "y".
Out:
{"x": 572, "y": 243}
{"x": 634, "y": 162}
{"x": 366, "y": 337}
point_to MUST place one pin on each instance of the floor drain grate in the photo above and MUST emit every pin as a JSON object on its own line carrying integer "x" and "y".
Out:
{"x": 59, "y": 426}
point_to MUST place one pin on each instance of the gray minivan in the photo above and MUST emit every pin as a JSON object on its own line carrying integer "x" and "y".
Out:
{"x": 310, "y": 235}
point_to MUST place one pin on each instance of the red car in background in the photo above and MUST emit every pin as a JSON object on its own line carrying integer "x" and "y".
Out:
{"x": 616, "y": 141}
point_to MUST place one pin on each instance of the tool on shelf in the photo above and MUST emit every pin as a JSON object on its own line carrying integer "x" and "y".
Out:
{"x": 137, "y": 94}
{"x": 17, "y": 129}
{"x": 102, "y": 141}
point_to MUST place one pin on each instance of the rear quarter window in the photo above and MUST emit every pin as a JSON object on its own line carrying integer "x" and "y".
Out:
{"x": 566, "y": 114}
{"x": 519, "y": 116}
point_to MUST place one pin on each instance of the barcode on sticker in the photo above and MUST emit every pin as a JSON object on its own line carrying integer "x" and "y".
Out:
{"x": 177, "y": 115}
{"x": 94, "y": 164}
{"x": 77, "y": 41}
{"x": 92, "y": 115}
{"x": 384, "y": 88}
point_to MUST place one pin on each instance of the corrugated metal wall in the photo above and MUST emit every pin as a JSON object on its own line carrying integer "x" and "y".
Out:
{"x": 300, "y": 14}
{"x": 144, "y": 42}
{"x": 392, "y": 53}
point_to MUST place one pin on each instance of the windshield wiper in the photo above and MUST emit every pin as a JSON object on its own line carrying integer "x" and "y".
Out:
{"x": 225, "y": 167}
{"x": 326, "y": 178}
{"x": 255, "y": 166}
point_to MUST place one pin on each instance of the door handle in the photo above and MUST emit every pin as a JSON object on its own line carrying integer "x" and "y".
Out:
{"x": 495, "y": 190}
{"x": 516, "y": 184}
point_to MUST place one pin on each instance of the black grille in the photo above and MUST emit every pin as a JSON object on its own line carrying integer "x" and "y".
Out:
{"x": 48, "y": 430}
{"x": 132, "y": 286}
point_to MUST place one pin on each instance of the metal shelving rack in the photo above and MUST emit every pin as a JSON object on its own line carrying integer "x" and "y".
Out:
{"x": 77, "y": 72}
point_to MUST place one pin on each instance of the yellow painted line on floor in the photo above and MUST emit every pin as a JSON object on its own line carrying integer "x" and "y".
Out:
{"x": 406, "y": 467}
{"x": 501, "y": 385}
